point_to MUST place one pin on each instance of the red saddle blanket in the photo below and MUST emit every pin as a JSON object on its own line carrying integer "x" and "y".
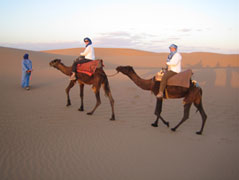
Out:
{"x": 181, "y": 79}
{"x": 89, "y": 67}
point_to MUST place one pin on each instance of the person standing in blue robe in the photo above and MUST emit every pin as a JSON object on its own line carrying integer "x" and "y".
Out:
{"x": 26, "y": 71}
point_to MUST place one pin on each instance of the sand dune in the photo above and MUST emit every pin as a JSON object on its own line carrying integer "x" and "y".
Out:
{"x": 146, "y": 59}
{"x": 41, "y": 138}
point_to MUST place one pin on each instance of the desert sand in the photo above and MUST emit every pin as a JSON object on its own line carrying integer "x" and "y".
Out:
{"x": 41, "y": 138}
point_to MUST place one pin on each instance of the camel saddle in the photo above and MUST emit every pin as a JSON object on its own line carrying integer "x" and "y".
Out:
{"x": 181, "y": 79}
{"x": 90, "y": 67}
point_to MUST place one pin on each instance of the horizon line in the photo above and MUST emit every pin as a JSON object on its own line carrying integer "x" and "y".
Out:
{"x": 96, "y": 47}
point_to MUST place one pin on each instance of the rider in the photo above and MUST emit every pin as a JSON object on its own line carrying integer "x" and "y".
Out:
{"x": 86, "y": 56}
{"x": 173, "y": 67}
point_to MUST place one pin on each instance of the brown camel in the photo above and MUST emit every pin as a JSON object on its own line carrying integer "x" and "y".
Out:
{"x": 193, "y": 94}
{"x": 96, "y": 80}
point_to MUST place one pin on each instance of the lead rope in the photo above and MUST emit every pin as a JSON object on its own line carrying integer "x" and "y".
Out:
{"x": 112, "y": 74}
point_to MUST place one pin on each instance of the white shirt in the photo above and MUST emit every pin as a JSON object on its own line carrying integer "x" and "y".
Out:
{"x": 89, "y": 52}
{"x": 175, "y": 63}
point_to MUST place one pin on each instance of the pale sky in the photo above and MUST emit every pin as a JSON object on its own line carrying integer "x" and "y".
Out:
{"x": 151, "y": 25}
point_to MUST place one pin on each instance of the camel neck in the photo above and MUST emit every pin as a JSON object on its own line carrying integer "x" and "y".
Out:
{"x": 65, "y": 69}
{"x": 142, "y": 83}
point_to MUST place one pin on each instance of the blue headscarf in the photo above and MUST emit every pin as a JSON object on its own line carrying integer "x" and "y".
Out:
{"x": 88, "y": 39}
{"x": 26, "y": 56}
{"x": 170, "y": 56}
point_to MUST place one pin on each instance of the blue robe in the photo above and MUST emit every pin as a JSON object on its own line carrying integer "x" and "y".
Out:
{"x": 26, "y": 66}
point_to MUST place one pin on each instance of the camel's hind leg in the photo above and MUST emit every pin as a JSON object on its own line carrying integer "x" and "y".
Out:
{"x": 112, "y": 106}
{"x": 71, "y": 84}
{"x": 108, "y": 93}
{"x": 98, "y": 101}
{"x": 185, "y": 115}
{"x": 203, "y": 114}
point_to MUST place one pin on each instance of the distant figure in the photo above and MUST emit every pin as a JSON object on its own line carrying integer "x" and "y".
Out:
{"x": 26, "y": 71}
{"x": 86, "y": 56}
{"x": 173, "y": 67}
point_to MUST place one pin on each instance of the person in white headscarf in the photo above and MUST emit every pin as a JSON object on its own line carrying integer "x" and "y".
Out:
{"x": 86, "y": 56}
{"x": 173, "y": 67}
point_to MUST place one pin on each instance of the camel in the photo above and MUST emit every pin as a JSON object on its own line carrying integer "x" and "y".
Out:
{"x": 96, "y": 80}
{"x": 193, "y": 94}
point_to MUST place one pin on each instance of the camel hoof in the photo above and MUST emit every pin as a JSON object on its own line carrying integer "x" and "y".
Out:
{"x": 199, "y": 133}
{"x": 81, "y": 109}
{"x": 112, "y": 118}
{"x": 167, "y": 124}
{"x": 154, "y": 125}
{"x": 68, "y": 103}
{"x": 89, "y": 113}
{"x": 173, "y": 129}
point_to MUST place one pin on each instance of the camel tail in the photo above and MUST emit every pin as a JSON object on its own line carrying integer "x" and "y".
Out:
{"x": 200, "y": 91}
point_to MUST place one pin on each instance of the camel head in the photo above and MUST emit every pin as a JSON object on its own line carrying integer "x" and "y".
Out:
{"x": 127, "y": 70}
{"x": 54, "y": 63}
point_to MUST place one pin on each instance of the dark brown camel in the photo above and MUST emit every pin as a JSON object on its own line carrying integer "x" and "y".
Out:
{"x": 96, "y": 80}
{"x": 193, "y": 94}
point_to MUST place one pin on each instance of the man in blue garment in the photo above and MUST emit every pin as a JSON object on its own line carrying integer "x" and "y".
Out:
{"x": 26, "y": 71}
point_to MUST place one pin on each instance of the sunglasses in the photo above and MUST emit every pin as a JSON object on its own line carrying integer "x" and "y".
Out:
{"x": 86, "y": 41}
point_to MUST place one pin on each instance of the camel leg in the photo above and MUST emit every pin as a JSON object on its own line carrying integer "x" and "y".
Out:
{"x": 98, "y": 102}
{"x": 157, "y": 112}
{"x": 185, "y": 116}
{"x": 203, "y": 115}
{"x": 108, "y": 93}
{"x": 81, "y": 97}
{"x": 112, "y": 106}
{"x": 71, "y": 84}
{"x": 155, "y": 124}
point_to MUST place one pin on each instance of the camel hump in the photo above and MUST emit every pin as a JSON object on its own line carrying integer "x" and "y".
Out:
{"x": 90, "y": 67}
{"x": 181, "y": 79}
{"x": 100, "y": 63}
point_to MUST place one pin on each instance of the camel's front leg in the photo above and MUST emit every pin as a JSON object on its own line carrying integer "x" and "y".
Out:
{"x": 155, "y": 124}
{"x": 81, "y": 97}
{"x": 158, "y": 110}
{"x": 71, "y": 84}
